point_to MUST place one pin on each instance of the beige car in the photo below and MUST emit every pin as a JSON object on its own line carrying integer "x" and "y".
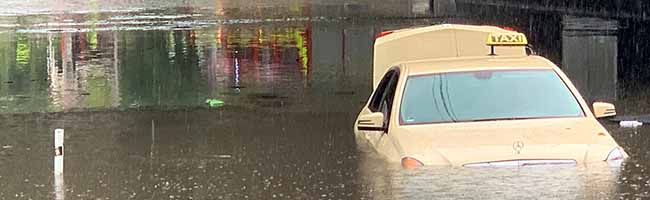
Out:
{"x": 473, "y": 96}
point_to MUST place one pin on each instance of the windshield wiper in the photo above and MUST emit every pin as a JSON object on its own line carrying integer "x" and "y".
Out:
{"x": 500, "y": 119}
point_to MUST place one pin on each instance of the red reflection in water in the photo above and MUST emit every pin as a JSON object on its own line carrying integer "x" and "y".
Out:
{"x": 260, "y": 55}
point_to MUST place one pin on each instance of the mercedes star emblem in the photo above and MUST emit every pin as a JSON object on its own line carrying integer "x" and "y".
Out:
{"x": 518, "y": 146}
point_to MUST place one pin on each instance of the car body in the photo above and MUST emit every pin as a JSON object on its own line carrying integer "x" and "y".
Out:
{"x": 479, "y": 105}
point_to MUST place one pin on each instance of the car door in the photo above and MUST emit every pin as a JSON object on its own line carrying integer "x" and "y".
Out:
{"x": 381, "y": 101}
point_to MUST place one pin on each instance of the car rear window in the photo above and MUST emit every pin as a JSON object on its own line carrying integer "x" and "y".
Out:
{"x": 486, "y": 95}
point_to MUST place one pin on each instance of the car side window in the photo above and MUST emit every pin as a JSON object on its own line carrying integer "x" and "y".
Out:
{"x": 380, "y": 92}
{"x": 382, "y": 99}
{"x": 375, "y": 101}
{"x": 387, "y": 100}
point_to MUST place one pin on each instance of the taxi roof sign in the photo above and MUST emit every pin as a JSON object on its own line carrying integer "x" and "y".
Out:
{"x": 507, "y": 39}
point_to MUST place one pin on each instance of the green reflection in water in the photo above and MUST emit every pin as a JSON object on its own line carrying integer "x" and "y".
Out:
{"x": 22, "y": 50}
{"x": 68, "y": 71}
{"x": 98, "y": 90}
{"x": 94, "y": 17}
{"x": 143, "y": 73}
{"x": 302, "y": 49}
{"x": 152, "y": 76}
{"x": 92, "y": 39}
{"x": 23, "y": 71}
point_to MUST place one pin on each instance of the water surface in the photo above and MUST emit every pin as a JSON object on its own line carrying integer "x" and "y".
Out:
{"x": 129, "y": 86}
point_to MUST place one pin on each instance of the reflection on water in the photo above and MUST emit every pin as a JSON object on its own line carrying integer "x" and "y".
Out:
{"x": 532, "y": 182}
{"x": 65, "y": 71}
{"x": 130, "y": 90}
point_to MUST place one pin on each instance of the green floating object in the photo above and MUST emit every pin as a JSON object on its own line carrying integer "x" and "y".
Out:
{"x": 214, "y": 103}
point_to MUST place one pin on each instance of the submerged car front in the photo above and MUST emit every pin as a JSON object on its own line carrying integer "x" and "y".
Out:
{"x": 498, "y": 116}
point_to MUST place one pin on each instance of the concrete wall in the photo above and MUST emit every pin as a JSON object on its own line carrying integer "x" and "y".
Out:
{"x": 370, "y": 8}
{"x": 590, "y": 56}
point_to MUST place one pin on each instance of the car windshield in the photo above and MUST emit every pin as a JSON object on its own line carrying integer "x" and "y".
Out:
{"x": 486, "y": 95}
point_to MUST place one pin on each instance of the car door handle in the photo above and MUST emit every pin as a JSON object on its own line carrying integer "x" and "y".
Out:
{"x": 365, "y": 122}
{"x": 369, "y": 126}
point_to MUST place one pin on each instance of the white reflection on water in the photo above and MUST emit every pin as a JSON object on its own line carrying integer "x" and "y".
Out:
{"x": 59, "y": 186}
{"x": 530, "y": 182}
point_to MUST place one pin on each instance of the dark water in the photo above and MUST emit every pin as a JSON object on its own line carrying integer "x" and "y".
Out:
{"x": 130, "y": 85}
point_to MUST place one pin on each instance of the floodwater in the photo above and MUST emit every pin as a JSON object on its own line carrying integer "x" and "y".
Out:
{"x": 129, "y": 85}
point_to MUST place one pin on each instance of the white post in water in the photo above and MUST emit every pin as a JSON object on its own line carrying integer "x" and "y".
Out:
{"x": 58, "y": 151}
{"x": 59, "y": 186}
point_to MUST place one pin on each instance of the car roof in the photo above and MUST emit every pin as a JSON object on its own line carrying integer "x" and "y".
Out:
{"x": 437, "y": 42}
{"x": 476, "y": 63}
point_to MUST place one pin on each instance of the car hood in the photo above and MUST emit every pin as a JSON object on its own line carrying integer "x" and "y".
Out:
{"x": 577, "y": 139}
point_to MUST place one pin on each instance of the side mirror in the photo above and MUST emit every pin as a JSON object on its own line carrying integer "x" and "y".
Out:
{"x": 604, "y": 109}
{"x": 371, "y": 122}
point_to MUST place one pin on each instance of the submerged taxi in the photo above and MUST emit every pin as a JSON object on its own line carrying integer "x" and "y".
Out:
{"x": 469, "y": 96}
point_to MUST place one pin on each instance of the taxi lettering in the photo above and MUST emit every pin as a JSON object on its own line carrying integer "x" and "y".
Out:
{"x": 507, "y": 39}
